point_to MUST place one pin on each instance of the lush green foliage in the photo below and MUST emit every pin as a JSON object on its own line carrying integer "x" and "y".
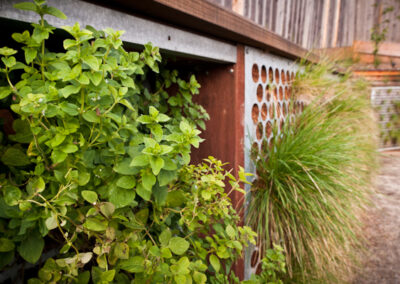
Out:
{"x": 313, "y": 182}
{"x": 97, "y": 171}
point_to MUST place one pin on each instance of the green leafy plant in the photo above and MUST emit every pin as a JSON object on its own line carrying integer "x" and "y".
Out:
{"x": 313, "y": 183}
{"x": 97, "y": 173}
{"x": 379, "y": 32}
{"x": 391, "y": 130}
{"x": 273, "y": 267}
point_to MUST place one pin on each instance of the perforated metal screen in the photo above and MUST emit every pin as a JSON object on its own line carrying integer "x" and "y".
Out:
{"x": 384, "y": 100}
{"x": 267, "y": 96}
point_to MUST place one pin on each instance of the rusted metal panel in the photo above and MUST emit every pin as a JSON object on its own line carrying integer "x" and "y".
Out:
{"x": 222, "y": 95}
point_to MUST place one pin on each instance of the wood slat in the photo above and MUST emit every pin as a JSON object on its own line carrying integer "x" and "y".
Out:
{"x": 386, "y": 48}
{"x": 330, "y": 23}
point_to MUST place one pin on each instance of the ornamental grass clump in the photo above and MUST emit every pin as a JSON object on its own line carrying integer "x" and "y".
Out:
{"x": 314, "y": 181}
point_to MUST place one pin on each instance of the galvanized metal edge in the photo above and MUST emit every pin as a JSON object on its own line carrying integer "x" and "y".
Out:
{"x": 137, "y": 30}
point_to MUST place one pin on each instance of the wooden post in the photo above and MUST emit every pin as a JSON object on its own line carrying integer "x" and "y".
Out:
{"x": 222, "y": 95}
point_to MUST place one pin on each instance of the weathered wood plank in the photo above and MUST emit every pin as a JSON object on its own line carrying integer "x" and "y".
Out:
{"x": 208, "y": 18}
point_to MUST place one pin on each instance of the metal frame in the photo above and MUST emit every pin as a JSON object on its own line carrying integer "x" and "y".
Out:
{"x": 382, "y": 99}
{"x": 137, "y": 30}
{"x": 252, "y": 99}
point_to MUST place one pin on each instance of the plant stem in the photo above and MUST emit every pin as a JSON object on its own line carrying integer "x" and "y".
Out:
{"x": 82, "y": 100}
{"x": 43, "y": 43}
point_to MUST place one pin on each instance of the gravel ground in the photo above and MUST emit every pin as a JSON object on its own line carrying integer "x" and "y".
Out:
{"x": 382, "y": 227}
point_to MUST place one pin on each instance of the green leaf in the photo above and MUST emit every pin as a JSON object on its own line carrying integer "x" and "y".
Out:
{"x": 83, "y": 277}
{"x": 6, "y": 245}
{"x": 160, "y": 194}
{"x": 95, "y": 224}
{"x": 142, "y": 215}
{"x": 178, "y": 245}
{"x": 57, "y": 140}
{"x": 143, "y": 192}
{"x": 180, "y": 278}
{"x": 128, "y": 82}
{"x": 69, "y": 108}
{"x": 83, "y": 79}
{"x": 166, "y": 253}
{"x": 91, "y": 116}
{"x": 157, "y": 131}
{"x": 30, "y": 54}
{"x": 126, "y": 182}
{"x": 126, "y": 103}
{"x": 156, "y": 164}
{"x": 58, "y": 156}
{"x": 95, "y": 77}
{"x": 134, "y": 264}
{"x": 145, "y": 119}
{"x": 153, "y": 111}
{"x": 38, "y": 185}
{"x": 83, "y": 178}
{"x": 15, "y": 157}
{"x": 124, "y": 167}
{"x": 54, "y": 12}
{"x": 5, "y": 92}
{"x": 148, "y": 180}
{"x": 69, "y": 148}
{"x": 7, "y": 51}
{"x": 155, "y": 251}
{"x": 230, "y": 231}
{"x": 121, "y": 250}
{"x": 121, "y": 197}
{"x": 89, "y": 196}
{"x": 92, "y": 61}
{"x": 69, "y": 90}
{"x": 73, "y": 73}
{"x": 69, "y": 43}
{"x": 215, "y": 262}
{"x": 206, "y": 194}
{"x": 181, "y": 267}
{"x": 162, "y": 117}
{"x": 23, "y": 131}
{"x": 164, "y": 237}
{"x": 11, "y": 195}
{"x": 165, "y": 177}
{"x": 108, "y": 276}
{"x": 175, "y": 198}
{"x": 107, "y": 208}
{"x": 24, "y": 205}
{"x": 31, "y": 248}
{"x": 199, "y": 278}
{"x": 140, "y": 161}
{"x": 185, "y": 127}
{"x": 29, "y": 6}
{"x": 165, "y": 149}
{"x": 51, "y": 222}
